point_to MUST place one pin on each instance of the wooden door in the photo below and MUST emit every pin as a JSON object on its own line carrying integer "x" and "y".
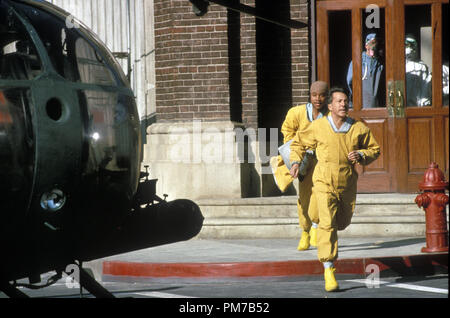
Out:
{"x": 424, "y": 127}
{"x": 410, "y": 136}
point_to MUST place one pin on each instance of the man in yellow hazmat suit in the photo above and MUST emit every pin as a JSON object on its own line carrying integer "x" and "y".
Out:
{"x": 340, "y": 143}
{"x": 298, "y": 120}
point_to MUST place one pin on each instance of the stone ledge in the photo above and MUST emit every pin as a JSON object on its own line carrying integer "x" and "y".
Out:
{"x": 361, "y": 199}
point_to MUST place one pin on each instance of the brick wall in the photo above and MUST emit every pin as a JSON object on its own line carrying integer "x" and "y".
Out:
{"x": 196, "y": 60}
{"x": 249, "y": 64}
{"x": 191, "y": 62}
{"x": 300, "y": 53}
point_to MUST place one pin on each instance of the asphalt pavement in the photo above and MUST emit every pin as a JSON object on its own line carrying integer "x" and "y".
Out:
{"x": 213, "y": 259}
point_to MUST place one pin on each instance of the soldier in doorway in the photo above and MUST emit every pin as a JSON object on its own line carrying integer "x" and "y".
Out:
{"x": 372, "y": 74}
{"x": 418, "y": 76}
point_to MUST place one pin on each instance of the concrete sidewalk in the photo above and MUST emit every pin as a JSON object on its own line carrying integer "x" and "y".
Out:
{"x": 240, "y": 258}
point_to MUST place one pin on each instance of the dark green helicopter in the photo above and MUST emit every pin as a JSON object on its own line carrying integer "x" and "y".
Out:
{"x": 71, "y": 186}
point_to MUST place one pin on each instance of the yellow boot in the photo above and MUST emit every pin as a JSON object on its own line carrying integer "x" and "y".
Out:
{"x": 304, "y": 242}
{"x": 313, "y": 236}
{"x": 330, "y": 281}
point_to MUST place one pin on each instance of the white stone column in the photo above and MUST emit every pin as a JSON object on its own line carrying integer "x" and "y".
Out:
{"x": 198, "y": 159}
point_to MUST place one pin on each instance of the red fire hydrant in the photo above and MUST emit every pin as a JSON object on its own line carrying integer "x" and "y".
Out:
{"x": 434, "y": 202}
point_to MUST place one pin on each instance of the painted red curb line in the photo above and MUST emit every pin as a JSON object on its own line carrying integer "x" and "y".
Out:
{"x": 399, "y": 264}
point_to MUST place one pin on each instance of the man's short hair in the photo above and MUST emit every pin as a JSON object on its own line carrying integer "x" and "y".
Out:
{"x": 335, "y": 90}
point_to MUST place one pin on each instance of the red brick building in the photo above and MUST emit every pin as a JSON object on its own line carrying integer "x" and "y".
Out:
{"x": 229, "y": 68}
{"x": 227, "y": 65}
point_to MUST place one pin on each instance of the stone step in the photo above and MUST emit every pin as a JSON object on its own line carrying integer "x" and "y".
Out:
{"x": 276, "y": 217}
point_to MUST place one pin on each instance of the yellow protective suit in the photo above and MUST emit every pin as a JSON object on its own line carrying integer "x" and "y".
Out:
{"x": 334, "y": 178}
{"x": 298, "y": 121}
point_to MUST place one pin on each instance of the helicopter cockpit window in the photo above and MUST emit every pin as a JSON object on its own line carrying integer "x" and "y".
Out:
{"x": 16, "y": 149}
{"x": 18, "y": 56}
{"x": 91, "y": 67}
{"x": 71, "y": 55}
